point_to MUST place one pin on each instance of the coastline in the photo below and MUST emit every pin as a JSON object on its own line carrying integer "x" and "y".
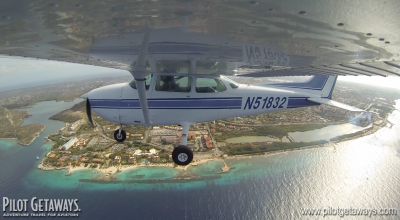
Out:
{"x": 108, "y": 173}
{"x": 36, "y": 135}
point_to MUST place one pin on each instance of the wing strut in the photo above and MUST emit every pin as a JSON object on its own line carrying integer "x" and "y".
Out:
{"x": 141, "y": 88}
{"x": 139, "y": 74}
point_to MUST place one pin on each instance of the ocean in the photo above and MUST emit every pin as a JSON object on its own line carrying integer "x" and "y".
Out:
{"x": 359, "y": 174}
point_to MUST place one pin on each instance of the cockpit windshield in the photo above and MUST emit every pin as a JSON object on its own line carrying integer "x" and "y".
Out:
{"x": 132, "y": 83}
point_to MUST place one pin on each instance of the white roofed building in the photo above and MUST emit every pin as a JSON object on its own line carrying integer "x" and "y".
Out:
{"x": 69, "y": 144}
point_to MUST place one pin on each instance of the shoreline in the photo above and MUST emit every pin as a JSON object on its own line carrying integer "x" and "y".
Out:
{"x": 108, "y": 173}
{"x": 117, "y": 169}
{"x": 114, "y": 169}
{"x": 37, "y": 134}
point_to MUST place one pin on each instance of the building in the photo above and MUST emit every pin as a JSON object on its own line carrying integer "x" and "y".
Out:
{"x": 97, "y": 160}
{"x": 153, "y": 151}
{"x": 131, "y": 160}
{"x": 80, "y": 142}
{"x": 65, "y": 152}
{"x": 63, "y": 158}
{"x": 53, "y": 155}
{"x": 168, "y": 139}
{"x": 206, "y": 142}
{"x": 155, "y": 159}
{"x": 69, "y": 144}
{"x": 191, "y": 135}
{"x": 137, "y": 136}
{"x": 117, "y": 159}
{"x": 138, "y": 152}
{"x": 164, "y": 156}
{"x": 75, "y": 125}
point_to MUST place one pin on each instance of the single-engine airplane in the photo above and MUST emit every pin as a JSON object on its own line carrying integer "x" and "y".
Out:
{"x": 181, "y": 99}
{"x": 165, "y": 96}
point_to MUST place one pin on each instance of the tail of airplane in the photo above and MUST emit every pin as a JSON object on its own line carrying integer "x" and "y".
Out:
{"x": 322, "y": 86}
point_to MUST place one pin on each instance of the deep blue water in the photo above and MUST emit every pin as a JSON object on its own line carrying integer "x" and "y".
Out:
{"x": 362, "y": 173}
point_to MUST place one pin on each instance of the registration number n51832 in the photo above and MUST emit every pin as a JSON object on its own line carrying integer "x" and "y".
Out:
{"x": 265, "y": 102}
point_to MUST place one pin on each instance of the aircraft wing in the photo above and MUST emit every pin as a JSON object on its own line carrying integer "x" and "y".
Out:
{"x": 335, "y": 104}
{"x": 377, "y": 68}
{"x": 253, "y": 38}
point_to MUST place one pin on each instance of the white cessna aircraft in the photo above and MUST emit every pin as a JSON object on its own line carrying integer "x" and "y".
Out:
{"x": 172, "y": 98}
{"x": 177, "y": 64}
{"x": 178, "y": 99}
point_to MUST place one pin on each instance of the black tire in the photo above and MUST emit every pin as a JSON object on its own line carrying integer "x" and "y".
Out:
{"x": 119, "y": 138}
{"x": 182, "y": 155}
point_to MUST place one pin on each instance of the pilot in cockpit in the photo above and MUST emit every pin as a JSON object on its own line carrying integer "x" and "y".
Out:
{"x": 169, "y": 84}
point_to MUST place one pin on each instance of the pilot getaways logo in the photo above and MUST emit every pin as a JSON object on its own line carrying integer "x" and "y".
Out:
{"x": 36, "y": 207}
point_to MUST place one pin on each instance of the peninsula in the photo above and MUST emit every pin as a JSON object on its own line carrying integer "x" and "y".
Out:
{"x": 11, "y": 127}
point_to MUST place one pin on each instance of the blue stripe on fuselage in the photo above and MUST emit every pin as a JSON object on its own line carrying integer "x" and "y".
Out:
{"x": 179, "y": 103}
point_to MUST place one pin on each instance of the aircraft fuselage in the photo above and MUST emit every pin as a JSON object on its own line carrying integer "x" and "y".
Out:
{"x": 196, "y": 98}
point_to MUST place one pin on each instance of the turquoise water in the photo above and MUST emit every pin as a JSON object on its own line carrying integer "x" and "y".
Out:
{"x": 147, "y": 173}
{"x": 6, "y": 143}
{"x": 361, "y": 173}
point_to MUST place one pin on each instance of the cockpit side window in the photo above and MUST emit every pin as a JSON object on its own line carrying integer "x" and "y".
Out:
{"x": 174, "y": 83}
{"x": 232, "y": 83}
{"x": 132, "y": 83}
{"x": 209, "y": 85}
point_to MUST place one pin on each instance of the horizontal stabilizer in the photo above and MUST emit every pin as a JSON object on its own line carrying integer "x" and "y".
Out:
{"x": 335, "y": 104}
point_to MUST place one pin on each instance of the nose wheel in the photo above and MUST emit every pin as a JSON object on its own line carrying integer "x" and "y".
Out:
{"x": 120, "y": 135}
{"x": 182, "y": 155}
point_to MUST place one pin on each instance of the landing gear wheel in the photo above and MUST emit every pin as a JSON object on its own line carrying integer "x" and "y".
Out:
{"x": 182, "y": 155}
{"x": 119, "y": 137}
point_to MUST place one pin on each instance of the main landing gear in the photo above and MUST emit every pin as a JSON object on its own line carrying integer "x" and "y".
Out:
{"x": 120, "y": 135}
{"x": 182, "y": 155}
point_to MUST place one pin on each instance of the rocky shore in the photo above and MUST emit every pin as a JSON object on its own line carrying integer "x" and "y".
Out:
{"x": 41, "y": 167}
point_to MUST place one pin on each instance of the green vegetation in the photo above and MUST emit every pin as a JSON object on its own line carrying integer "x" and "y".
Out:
{"x": 10, "y": 121}
{"x": 43, "y": 97}
{"x": 260, "y": 147}
{"x": 278, "y": 131}
{"x": 71, "y": 115}
{"x": 27, "y": 133}
{"x": 384, "y": 110}
{"x": 57, "y": 141}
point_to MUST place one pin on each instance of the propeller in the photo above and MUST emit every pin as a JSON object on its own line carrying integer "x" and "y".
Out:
{"x": 89, "y": 112}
